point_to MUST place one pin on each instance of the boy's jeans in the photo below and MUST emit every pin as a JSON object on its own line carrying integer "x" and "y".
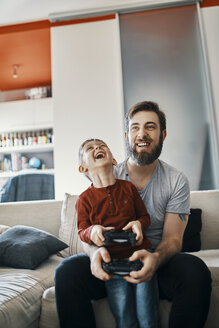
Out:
{"x": 134, "y": 305}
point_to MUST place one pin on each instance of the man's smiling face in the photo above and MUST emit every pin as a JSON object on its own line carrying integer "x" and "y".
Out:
{"x": 144, "y": 139}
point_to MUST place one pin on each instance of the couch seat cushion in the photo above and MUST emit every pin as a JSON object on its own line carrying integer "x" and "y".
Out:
{"x": 21, "y": 293}
{"x": 44, "y": 272}
{"x": 20, "y": 299}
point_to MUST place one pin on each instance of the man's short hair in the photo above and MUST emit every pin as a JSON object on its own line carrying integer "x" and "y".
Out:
{"x": 147, "y": 106}
{"x": 80, "y": 152}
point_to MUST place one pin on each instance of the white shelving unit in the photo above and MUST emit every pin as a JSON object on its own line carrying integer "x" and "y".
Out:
{"x": 42, "y": 151}
{"x": 27, "y": 116}
{"x": 27, "y": 149}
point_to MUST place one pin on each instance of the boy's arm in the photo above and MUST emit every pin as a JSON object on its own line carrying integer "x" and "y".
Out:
{"x": 83, "y": 220}
{"x": 88, "y": 232}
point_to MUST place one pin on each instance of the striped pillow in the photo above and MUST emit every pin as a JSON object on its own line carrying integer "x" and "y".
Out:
{"x": 68, "y": 231}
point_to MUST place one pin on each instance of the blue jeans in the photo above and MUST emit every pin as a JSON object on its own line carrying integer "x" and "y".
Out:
{"x": 134, "y": 306}
{"x": 184, "y": 279}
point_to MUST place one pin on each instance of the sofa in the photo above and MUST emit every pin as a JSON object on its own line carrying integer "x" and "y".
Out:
{"x": 27, "y": 295}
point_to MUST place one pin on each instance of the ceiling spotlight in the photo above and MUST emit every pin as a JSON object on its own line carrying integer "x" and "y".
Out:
{"x": 15, "y": 74}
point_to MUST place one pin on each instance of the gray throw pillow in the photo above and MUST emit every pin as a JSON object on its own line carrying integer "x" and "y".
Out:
{"x": 26, "y": 247}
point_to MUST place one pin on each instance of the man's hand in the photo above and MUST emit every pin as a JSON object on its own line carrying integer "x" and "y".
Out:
{"x": 135, "y": 226}
{"x": 97, "y": 234}
{"x": 101, "y": 254}
{"x": 150, "y": 264}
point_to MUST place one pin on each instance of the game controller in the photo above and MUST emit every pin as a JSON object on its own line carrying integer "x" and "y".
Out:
{"x": 119, "y": 237}
{"x": 122, "y": 267}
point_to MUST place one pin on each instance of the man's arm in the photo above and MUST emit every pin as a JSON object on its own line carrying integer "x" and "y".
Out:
{"x": 171, "y": 244}
{"x": 97, "y": 255}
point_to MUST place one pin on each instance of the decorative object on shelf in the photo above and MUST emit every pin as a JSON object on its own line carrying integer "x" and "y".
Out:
{"x": 37, "y": 93}
{"x": 35, "y": 162}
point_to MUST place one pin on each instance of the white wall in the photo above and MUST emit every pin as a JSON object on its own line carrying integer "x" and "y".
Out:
{"x": 87, "y": 94}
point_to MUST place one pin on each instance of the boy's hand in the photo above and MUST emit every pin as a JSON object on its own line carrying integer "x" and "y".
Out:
{"x": 135, "y": 226}
{"x": 97, "y": 234}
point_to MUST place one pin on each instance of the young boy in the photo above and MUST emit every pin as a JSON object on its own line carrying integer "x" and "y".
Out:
{"x": 110, "y": 203}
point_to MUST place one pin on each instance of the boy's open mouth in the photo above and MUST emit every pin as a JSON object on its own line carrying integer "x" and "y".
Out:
{"x": 99, "y": 155}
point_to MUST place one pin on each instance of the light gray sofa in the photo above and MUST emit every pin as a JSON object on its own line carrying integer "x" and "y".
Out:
{"x": 27, "y": 296}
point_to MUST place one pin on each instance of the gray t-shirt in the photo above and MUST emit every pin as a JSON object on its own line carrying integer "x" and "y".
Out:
{"x": 167, "y": 192}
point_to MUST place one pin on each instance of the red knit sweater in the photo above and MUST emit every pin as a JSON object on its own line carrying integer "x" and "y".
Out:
{"x": 116, "y": 206}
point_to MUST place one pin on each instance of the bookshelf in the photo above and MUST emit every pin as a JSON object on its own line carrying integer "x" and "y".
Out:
{"x": 14, "y": 157}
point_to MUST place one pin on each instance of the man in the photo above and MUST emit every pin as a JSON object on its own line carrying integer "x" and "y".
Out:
{"x": 184, "y": 279}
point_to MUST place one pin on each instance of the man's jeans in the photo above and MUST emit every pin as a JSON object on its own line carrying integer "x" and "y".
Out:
{"x": 185, "y": 280}
{"x": 134, "y": 305}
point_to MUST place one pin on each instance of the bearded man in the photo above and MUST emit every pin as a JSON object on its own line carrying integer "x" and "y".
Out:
{"x": 183, "y": 279}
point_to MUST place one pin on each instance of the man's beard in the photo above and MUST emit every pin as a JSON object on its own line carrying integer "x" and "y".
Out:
{"x": 145, "y": 158}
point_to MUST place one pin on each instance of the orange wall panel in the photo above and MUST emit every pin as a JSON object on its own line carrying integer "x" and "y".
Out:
{"x": 30, "y": 50}
{"x": 209, "y": 3}
{"x": 28, "y": 46}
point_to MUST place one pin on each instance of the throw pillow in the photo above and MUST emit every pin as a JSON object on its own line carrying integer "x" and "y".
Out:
{"x": 26, "y": 247}
{"x": 192, "y": 236}
{"x": 68, "y": 230}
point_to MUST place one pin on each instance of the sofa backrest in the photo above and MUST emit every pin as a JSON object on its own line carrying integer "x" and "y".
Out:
{"x": 208, "y": 201}
{"x": 43, "y": 214}
{"x": 46, "y": 215}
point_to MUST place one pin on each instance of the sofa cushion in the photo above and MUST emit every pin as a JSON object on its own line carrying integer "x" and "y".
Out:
{"x": 20, "y": 299}
{"x": 49, "y": 316}
{"x": 68, "y": 230}
{"x": 44, "y": 272}
{"x": 192, "y": 236}
{"x": 211, "y": 259}
{"x": 208, "y": 201}
{"x": 3, "y": 228}
{"x": 27, "y": 247}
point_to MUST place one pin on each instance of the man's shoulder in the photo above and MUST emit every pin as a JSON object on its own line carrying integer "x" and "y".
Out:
{"x": 121, "y": 166}
{"x": 169, "y": 170}
{"x": 171, "y": 176}
{"x": 120, "y": 170}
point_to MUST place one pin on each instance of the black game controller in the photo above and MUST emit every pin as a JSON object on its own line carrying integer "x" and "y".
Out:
{"x": 119, "y": 237}
{"x": 122, "y": 267}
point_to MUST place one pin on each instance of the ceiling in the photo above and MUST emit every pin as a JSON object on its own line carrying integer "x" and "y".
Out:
{"x": 28, "y": 46}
